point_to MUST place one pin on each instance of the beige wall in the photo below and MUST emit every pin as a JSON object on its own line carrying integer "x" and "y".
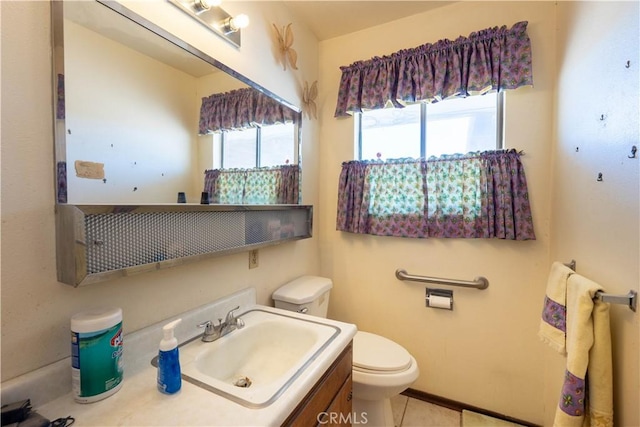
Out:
{"x": 35, "y": 307}
{"x": 486, "y": 352}
{"x": 597, "y": 223}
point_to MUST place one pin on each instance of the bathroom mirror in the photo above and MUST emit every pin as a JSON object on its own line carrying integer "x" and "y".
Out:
{"x": 128, "y": 100}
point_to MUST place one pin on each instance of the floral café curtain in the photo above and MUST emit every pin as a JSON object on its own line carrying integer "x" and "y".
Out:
{"x": 477, "y": 195}
{"x": 258, "y": 186}
{"x": 241, "y": 109}
{"x": 493, "y": 59}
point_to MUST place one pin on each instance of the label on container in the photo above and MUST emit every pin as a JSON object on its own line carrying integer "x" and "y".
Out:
{"x": 169, "y": 375}
{"x": 96, "y": 363}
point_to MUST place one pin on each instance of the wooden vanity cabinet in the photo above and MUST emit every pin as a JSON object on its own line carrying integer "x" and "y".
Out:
{"x": 329, "y": 401}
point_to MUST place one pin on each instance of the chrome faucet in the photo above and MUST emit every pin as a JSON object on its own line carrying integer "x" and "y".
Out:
{"x": 213, "y": 332}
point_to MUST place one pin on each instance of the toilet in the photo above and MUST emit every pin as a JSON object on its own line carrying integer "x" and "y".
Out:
{"x": 381, "y": 367}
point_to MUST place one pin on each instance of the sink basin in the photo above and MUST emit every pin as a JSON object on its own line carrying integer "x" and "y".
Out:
{"x": 254, "y": 365}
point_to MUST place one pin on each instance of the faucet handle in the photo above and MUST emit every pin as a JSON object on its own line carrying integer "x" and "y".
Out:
{"x": 208, "y": 326}
{"x": 211, "y": 331}
{"x": 230, "y": 317}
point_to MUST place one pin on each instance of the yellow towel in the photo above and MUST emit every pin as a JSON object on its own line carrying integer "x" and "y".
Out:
{"x": 587, "y": 392}
{"x": 553, "y": 323}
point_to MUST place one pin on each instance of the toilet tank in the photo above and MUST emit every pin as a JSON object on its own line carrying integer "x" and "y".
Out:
{"x": 306, "y": 294}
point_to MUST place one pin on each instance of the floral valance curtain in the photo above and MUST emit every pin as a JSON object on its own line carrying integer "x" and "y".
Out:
{"x": 241, "y": 109}
{"x": 477, "y": 195}
{"x": 493, "y": 59}
{"x": 259, "y": 186}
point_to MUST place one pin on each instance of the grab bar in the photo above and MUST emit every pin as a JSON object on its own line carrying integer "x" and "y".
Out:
{"x": 477, "y": 283}
{"x": 630, "y": 299}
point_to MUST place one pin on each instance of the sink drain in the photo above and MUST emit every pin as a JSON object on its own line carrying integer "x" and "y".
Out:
{"x": 243, "y": 382}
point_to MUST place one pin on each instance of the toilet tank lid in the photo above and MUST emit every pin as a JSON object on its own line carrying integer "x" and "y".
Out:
{"x": 302, "y": 290}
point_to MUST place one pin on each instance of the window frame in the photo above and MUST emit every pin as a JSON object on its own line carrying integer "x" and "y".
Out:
{"x": 500, "y": 125}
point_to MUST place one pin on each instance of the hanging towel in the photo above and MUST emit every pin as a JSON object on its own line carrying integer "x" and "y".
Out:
{"x": 554, "y": 313}
{"x": 587, "y": 391}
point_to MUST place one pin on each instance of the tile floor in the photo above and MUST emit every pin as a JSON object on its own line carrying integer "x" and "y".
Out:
{"x": 409, "y": 412}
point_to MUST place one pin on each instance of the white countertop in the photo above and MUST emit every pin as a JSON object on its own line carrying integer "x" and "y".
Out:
{"x": 139, "y": 403}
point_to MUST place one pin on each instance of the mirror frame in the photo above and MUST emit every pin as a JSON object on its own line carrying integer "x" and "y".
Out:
{"x": 261, "y": 225}
{"x": 57, "y": 17}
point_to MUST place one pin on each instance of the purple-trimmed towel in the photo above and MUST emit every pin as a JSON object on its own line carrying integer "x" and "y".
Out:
{"x": 554, "y": 314}
{"x": 587, "y": 392}
{"x": 577, "y": 326}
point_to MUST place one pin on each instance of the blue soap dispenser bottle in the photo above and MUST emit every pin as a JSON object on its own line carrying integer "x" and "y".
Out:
{"x": 169, "y": 375}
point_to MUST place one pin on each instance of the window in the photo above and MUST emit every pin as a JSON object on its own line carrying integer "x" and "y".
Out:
{"x": 457, "y": 125}
{"x": 265, "y": 146}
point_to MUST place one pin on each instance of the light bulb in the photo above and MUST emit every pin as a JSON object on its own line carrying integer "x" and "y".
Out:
{"x": 239, "y": 22}
{"x": 231, "y": 25}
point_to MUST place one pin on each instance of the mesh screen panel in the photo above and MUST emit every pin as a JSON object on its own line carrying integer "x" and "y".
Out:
{"x": 119, "y": 240}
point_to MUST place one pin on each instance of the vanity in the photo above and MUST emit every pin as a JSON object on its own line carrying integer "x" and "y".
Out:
{"x": 330, "y": 398}
{"x": 321, "y": 390}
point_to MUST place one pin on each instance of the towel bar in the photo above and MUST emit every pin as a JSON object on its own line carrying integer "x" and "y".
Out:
{"x": 630, "y": 299}
{"x": 477, "y": 283}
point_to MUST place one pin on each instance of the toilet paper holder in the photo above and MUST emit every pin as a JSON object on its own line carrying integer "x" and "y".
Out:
{"x": 439, "y": 298}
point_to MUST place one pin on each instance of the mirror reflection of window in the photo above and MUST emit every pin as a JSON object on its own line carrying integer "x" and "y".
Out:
{"x": 266, "y": 146}
{"x": 239, "y": 148}
{"x": 277, "y": 145}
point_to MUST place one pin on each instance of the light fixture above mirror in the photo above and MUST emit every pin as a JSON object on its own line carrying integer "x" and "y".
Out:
{"x": 211, "y": 15}
{"x": 204, "y": 5}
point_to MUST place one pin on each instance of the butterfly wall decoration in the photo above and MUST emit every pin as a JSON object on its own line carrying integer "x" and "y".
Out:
{"x": 309, "y": 96}
{"x": 285, "y": 41}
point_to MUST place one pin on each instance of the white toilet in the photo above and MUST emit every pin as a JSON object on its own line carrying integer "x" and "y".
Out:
{"x": 381, "y": 367}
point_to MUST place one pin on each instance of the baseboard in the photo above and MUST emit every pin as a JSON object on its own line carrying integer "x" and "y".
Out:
{"x": 459, "y": 406}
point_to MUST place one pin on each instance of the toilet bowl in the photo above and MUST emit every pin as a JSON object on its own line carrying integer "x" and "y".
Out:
{"x": 381, "y": 368}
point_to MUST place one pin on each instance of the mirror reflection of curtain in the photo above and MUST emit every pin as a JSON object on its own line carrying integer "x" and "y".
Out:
{"x": 241, "y": 109}
{"x": 259, "y": 186}
{"x": 60, "y": 108}
{"x": 225, "y": 187}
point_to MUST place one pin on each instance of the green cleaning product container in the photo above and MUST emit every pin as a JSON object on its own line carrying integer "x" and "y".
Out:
{"x": 96, "y": 354}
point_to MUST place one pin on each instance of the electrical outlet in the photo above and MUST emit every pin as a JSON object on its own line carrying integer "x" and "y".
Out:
{"x": 253, "y": 258}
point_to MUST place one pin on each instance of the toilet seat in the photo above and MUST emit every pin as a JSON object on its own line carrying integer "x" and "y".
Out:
{"x": 375, "y": 354}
